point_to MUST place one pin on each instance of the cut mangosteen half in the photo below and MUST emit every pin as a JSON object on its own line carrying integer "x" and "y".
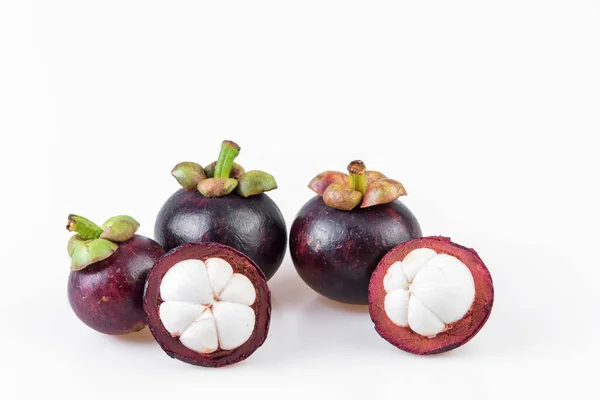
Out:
{"x": 430, "y": 295}
{"x": 208, "y": 304}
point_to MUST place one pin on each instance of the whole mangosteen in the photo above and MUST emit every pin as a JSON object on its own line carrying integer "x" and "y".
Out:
{"x": 339, "y": 236}
{"x": 430, "y": 295}
{"x": 223, "y": 203}
{"x": 208, "y": 304}
{"x": 109, "y": 265}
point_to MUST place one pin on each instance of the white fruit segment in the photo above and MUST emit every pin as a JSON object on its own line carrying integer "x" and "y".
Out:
{"x": 187, "y": 281}
{"x": 207, "y": 305}
{"x": 219, "y": 273}
{"x": 176, "y": 316}
{"x": 235, "y": 323}
{"x": 427, "y": 291}
{"x": 239, "y": 290}
{"x": 201, "y": 335}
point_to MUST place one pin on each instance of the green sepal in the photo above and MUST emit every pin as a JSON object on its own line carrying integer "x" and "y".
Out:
{"x": 255, "y": 182}
{"x": 75, "y": 241}
{"x": 188, "y": 174}
{"x": 341, "y": 197}
{"x": 372, "y": 177}
{"x": 119, "y": 228}
{"x": 217, "y": 187}
{"x": 319, "y": 183}
{"x": 91, "y": 251}
{"x": 382, "y": 191}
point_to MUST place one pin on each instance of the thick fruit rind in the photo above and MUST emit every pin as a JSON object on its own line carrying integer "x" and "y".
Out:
{"x": 241, "y": 264}
{"x": 458, "y": 333}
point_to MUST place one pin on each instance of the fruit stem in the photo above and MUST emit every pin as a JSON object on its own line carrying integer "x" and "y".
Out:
{"x": 357, "y": 170}
{"x": 87, "y": 229}
{"x": 229, "y": 151}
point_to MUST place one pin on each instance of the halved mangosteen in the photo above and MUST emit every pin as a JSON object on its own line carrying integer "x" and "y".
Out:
{"x": 430, "y": 295}
{"x": 208, "y": 304}
{"x": 225, "y": 204}
{"x": 109, "y": 265}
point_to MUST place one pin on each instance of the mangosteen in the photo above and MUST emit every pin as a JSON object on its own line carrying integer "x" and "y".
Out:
{"x": 430, "y": 295}
{"x": 223, "y": 203}
{"x": 208, "y": 304}
{"x": 109, "y": 265}
{"x": 339, "y": 236}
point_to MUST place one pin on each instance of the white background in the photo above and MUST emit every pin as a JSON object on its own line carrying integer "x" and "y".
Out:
{"x": 488, "y": 112}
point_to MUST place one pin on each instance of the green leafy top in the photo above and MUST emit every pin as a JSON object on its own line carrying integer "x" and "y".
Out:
{"x": 92, "y": 243}
{"x": 223, "y": 176}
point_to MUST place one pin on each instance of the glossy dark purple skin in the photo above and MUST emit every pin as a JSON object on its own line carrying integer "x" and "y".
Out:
{"x": 335, "y": 252}
{"x": 252, "y": 225}
{"x": 108, "y": 295}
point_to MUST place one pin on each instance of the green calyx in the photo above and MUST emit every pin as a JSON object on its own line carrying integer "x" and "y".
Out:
{"x": 223, "y": 176}
{"x": 217, "y": 187}
{"x": 358, "y": 187}
{"x": 381, "y": 192}
{"x": 188, "y": 174}
{"x": 91, "y": 251}
{"x": 119, "y": 229}
{"x": 341, "y": 197}
{"x": 92, "y": 243}
{"x": 75, "y": 241}
{"x": 255, "y": 182}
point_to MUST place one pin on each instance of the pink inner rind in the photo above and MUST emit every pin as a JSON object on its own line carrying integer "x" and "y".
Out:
{"x": 241, "y": 264}
{"x": 458, "y": 333}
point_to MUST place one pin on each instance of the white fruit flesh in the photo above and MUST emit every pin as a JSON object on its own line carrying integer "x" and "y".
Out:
{"x": 207, "y": 306}
{"x": 428, "y": 291}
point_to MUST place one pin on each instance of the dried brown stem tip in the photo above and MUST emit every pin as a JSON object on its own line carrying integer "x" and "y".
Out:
{"x": 357, "y": 167}
{"x": 231, "y": 143}
{"x": 70, "y": 223}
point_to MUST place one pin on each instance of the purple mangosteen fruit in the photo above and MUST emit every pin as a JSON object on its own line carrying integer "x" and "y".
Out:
{"x": 339, "y": 236}
{"x": 225, "y": 204}
{"x": 109, "y": 265}
{"x": 208, "y": 304}
{"x": 430, "y": 295}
